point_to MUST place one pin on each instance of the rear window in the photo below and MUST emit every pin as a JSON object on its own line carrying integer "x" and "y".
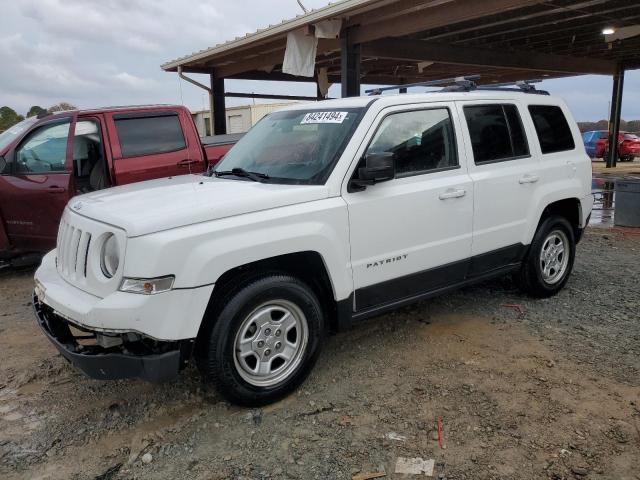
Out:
{"x": 148, "y": 135}
{"x": 552, "y": 128}
{"x": 496, "y": 133}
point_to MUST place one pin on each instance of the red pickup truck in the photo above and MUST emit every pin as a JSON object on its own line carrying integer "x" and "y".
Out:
{"x": 46, "y": 160}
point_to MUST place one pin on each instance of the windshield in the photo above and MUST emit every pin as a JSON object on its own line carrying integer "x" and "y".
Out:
{"x": 18, "y": 129}
{"x": 298, "y": 146}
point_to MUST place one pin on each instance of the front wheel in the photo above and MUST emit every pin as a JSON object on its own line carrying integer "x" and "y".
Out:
{"x": 549, "y": 262}
{"x": 265, "y": 340}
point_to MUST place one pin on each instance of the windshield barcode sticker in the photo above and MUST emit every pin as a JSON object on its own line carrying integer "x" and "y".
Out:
{"x": 324, "y": 117}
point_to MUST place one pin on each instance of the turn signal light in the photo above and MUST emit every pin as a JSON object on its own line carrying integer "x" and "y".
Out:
{"x": 147, "y": 286}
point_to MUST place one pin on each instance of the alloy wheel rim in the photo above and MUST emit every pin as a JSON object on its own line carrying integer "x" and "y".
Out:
{"x": 554, "y": 257}
{"x": 270, "y": 343}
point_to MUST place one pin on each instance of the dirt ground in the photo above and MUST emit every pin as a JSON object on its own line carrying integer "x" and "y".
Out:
{"x": 551, "y": 391}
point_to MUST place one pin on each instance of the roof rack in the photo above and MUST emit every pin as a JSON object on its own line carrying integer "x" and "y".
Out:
{"x": 526, "y": 86}
{"x": 463, "y": 83}
{"x": 466, "y": 84}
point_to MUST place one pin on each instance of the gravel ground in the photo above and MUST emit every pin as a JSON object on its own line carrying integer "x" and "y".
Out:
{"x": 549, "y": 389}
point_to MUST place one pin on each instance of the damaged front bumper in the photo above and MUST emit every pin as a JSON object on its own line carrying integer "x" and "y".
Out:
{"x": 117, "y": 356}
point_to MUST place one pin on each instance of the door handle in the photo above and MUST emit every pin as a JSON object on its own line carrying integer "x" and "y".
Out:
{"x": 56, "y": 189}
{"x": 186, "y": 163}
{"x": 452, "y": 193}
{"x": 528, "y": 178}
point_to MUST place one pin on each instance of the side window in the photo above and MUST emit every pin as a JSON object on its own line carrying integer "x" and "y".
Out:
{"x": 148, "y": 135}
{"x": 496, "y": 133}
{"x": 87, "y": 147}
{"x": 552, "y": 128}
{"x": 44, "y": 150}
{"x": 421, "y": 141}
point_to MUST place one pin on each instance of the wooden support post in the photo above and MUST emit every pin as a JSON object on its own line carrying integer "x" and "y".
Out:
{"x": 616, "y": 112}
{"x": 350, "y": 65}
{"x": 219, "y": 108}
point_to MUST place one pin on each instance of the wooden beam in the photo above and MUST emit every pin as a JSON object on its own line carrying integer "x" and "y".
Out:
{"x": 255, "y": 63}
{"x": 273, "y": 76}
{"x": 401, "y": 49}
{"x": 269, "y": 59}
{"x": 269, "y": 96}
{"x": 572, "y": 14}
{"x": 445, "y": 14}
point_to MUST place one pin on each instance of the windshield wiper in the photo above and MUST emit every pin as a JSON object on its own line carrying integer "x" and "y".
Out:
{"x": 241, "y": 172}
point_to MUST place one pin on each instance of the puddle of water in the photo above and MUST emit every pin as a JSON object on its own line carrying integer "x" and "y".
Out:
{"x": 603, "y": 190}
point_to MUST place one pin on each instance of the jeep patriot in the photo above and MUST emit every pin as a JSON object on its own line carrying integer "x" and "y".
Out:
{"x": 322, "y": 215}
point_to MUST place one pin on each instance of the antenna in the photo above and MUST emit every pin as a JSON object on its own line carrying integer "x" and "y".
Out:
{"x": 302, "y": 6}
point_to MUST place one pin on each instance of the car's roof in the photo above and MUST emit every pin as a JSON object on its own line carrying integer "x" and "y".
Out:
{"x": 396, "y": 99}
{"x": 117, "y": 108}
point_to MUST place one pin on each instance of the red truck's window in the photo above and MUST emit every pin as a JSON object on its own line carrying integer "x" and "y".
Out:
{"x": 149, "y": 135}
{"x": 44, "y": 150}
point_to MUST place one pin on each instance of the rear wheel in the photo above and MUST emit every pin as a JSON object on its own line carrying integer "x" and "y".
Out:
{"x": 549, "y": 262}
{"x": 265, "y": 340}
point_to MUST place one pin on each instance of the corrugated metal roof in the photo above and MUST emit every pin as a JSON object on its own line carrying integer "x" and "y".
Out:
{"x": 332, "y": 10}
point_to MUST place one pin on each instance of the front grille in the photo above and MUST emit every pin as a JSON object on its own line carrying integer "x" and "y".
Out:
{"x": 73, "y": 248}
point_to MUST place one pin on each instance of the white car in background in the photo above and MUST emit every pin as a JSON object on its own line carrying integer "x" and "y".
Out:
{"x": 322, "y": 215}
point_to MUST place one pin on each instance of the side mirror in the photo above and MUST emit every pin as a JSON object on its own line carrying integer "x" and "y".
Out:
{"x": 379, "y": 167}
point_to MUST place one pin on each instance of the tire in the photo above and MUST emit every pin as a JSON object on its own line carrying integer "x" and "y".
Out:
{"x": 544, "y": 277}
{"x": 263, "y": 340}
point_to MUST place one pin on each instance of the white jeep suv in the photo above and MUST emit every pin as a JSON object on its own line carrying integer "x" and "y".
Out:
{"x": 322, "y": 215}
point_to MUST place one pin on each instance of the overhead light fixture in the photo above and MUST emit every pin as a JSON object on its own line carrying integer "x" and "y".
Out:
{"x": 608, "y": 31}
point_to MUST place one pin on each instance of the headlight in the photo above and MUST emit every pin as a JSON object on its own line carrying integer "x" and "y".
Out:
{"x": 147, "y": 286}
{"x": 110, "y": 257}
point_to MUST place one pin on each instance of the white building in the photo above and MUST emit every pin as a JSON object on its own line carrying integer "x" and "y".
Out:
{"x": 239, "y": 119}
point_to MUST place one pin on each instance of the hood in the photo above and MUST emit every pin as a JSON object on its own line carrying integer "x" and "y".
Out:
{"x": 156, "y": 205}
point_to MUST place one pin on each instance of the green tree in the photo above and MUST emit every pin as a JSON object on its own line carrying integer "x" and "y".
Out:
{"x": 633, "y": 126}
{"x": 36, "y": 110}
{"x": 8, "y": 118}
{"x": 61, "y": 107}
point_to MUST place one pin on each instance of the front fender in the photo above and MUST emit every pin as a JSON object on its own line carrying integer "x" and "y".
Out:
{"x": 199, "y": 254}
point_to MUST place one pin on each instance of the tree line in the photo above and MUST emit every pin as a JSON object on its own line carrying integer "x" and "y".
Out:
{"x": 9, "y": 117}
{"x": 625, "y": 126}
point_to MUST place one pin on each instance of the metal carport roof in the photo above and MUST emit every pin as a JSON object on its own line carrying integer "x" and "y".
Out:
{"x": 407, "y": 41}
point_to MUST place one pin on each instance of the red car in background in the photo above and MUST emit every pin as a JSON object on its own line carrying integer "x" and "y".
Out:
{"x": 596, "y": 143}
{"x": 46, "y": 160}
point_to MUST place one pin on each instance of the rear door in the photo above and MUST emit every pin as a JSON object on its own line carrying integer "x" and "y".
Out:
{"x": 35, "y": 186}
{"x": 152, "y": 144}
{"x": 505, "y": 174}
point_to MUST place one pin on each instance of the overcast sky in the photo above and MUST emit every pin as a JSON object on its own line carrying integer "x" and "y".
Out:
{"x": 108, "y": 52}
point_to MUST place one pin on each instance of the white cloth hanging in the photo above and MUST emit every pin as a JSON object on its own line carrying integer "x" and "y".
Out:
{"x": 328, "y": 28}
{"x": 300, "y": 54}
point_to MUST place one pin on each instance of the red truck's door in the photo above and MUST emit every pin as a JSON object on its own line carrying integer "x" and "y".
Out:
{"x": 36, "y": 184}
{"x": 153, "y": 144}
